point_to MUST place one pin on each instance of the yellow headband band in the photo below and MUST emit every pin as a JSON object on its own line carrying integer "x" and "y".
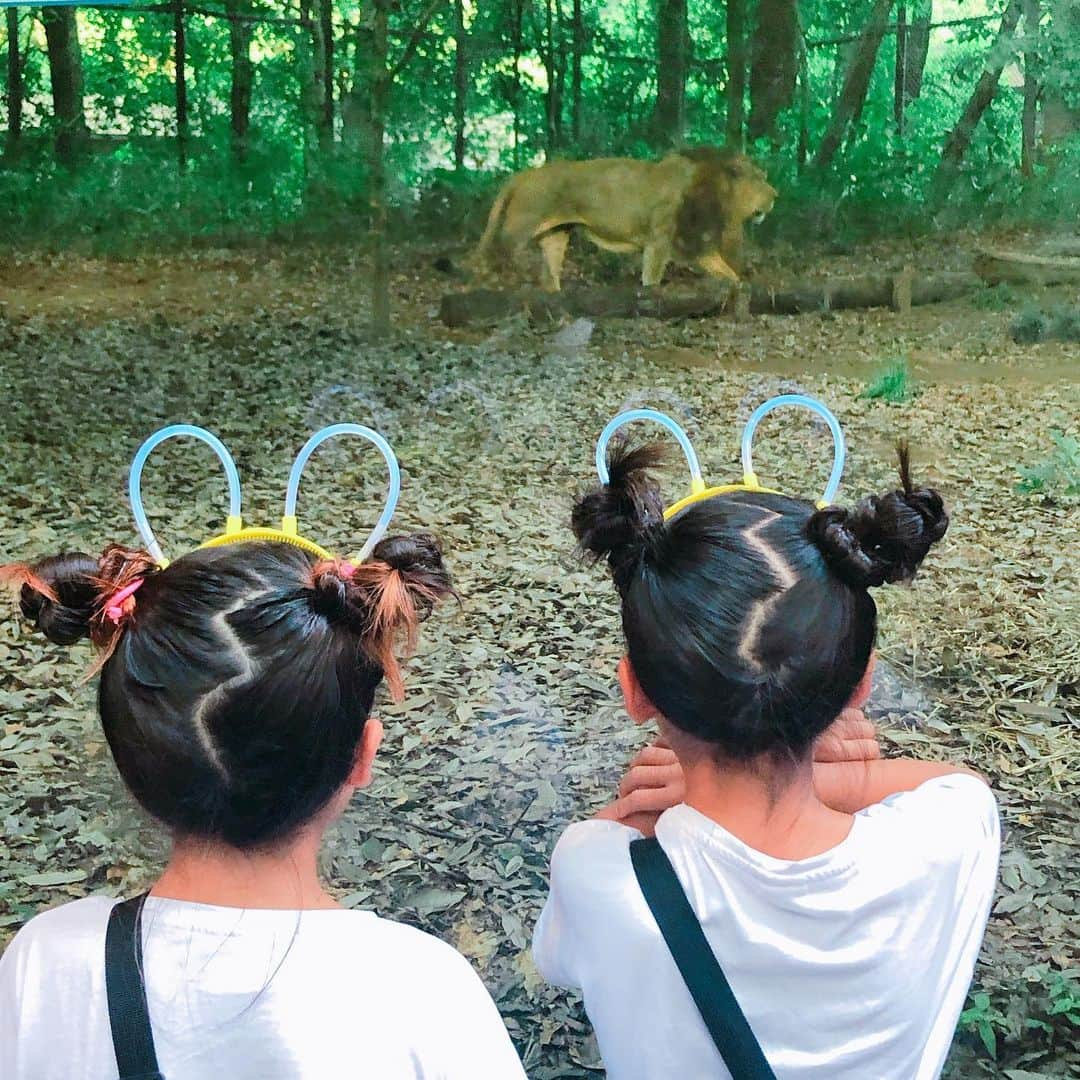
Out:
{"x": 749, "y": 484}
{"x": 234, "y": 533}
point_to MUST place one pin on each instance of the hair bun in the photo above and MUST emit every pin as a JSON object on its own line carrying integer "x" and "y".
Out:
{"x": 418, "y": 559}
{"x": 66, "y": 616}
{"x": 620, "y": 520}
{"x": 330, "y": 592}
{"x": 886, "y": 537}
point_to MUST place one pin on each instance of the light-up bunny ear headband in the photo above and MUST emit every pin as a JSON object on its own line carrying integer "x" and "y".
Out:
{"x": 698, "y": 490}
{"x": 234, "y": 527}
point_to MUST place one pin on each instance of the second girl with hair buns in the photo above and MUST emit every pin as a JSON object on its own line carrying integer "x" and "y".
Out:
{"x": 840, "y": 898}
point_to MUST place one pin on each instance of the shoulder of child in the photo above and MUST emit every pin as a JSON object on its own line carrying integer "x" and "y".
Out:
{"x": 70, "y": 929}
{"x": 466, "y": 1036}
{"x": 592, "y": 856}
{"x": 956, "y": 810}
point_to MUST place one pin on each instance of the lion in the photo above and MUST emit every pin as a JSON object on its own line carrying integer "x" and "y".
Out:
{"x": 689, "y": 207}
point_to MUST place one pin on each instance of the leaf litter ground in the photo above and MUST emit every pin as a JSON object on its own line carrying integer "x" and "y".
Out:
{"x": 511, "y": 728}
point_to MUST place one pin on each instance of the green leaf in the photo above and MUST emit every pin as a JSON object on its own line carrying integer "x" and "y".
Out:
{"x": 55, "y": 877}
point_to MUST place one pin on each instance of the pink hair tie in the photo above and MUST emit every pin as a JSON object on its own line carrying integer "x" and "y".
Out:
{"x": 115, "y": 608}
{"x": 347, "y": 569}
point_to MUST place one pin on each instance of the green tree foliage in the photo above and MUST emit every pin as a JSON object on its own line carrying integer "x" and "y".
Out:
{"x": 533, "y": 78}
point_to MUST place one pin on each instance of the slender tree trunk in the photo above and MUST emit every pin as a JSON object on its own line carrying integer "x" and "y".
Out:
{"x": 180, "y": 60}
{"x": 774, "y": 63}
{"x": 356, "y": 109}
{"x": 577, "y": 49}
{"x": 519, "y": 16}
{"x": 916, "y": 48}
{"x": 326, "y": 30}
{"x": 14, "y": 94}
{"x": 550, "y": 98}
{"x": 316, "y": 75}
{"x": 736, "y": 70}
{"x": 242, "y": 78}
{"x": 380, "y": 87}
{"x": 309, "y": 80}
{"x": 900, "y": 75}
{"x": 672, "y": 62}
{"x": 560, "y": 71}
{"x": 959, "y": 139}
{"x": 65, "y": 69}
{"x": 1031, "y": 85}
{"x": 803, "y": 151}
{"x": 856, "y": 82}
{"x": 461, "y": 83}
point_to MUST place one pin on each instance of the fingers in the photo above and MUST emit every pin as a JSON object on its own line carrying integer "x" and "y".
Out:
{"x": 654, "y": 755}
{"x": 851, "y": 737}
{"x": 647, "y": 800}
{"x": 644, "y": 823}
{"x": 859, "y": 750}
{"x": 651, "y": 776}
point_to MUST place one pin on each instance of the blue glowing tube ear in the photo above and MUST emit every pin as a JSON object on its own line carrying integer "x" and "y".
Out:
{"x": 135, "y": 482}
{"x": 316, "y": 440}
{"x": 696, "y": 482}
{"x": 839, "y": 447}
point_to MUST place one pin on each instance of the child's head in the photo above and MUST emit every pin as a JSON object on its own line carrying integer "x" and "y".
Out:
{"x": 238, "y": 680}
{"x": 747, "y": 617}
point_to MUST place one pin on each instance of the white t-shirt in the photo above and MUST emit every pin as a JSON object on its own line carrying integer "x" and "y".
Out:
{"x": 849, "y": 965}
{"x": 251, "y": 995}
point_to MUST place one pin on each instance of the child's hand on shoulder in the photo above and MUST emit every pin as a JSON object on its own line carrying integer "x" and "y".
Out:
{"x": 850, "y": 737}
{"x": 653, "y": 783}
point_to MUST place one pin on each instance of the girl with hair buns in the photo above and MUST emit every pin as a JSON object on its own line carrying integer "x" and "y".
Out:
{"x": 236, "y": 690}
{"x": 805, "y": 909}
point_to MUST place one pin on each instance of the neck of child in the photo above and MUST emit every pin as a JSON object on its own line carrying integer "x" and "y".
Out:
{"x": 772, "y": 809}
{"x": 284, "y": 878}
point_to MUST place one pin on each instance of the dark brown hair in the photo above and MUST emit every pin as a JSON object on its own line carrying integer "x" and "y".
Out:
{"x": 747, "y": 617}
{"x": 236, "y": 684}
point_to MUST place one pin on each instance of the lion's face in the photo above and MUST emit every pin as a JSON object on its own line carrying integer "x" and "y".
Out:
{"x": 749, "y": 195}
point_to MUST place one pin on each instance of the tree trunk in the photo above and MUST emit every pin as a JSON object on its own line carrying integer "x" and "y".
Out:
{"x": 577, "y": 49}
{"x": 900, "y": 75}
{"x": 380, "y": 87}
{"x": 672, "y": 62}
{"x": 959, "y": 139}
{"x": 633, "y": 302}
{"x": 14, "y": 94}
{"x": 774, "y": 63}
{"x": 916, "y": 47}
{"x": 180, "y": 61}
{"x": 856, "y": 82}
{"x": 547, "y": 51}
{"x": 326, "y": 34}
{"x": 736, "y": 70}
{"x": 995, "y": 265}
{"x": 1031, "y": 86}
{"x": 65, "y": 70}
{"x": 242, "y": 78}
{"x": 356, "y": 107}
{"x": 519, "y": 16}
{"x": 560, "y": 71}
{"x": 803, "y": 151}
{"x": 461, "y": 83}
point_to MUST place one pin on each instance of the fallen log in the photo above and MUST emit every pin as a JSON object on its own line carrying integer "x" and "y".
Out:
{"x": 898, "y": 292}
{"x": 997, "y": 265}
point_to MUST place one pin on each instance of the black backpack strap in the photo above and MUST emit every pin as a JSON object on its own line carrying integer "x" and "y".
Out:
{"x": 129, "y": 1017}
{"x": 698, "y": 966}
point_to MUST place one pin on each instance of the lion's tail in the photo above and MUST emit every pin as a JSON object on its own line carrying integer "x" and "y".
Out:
{"x": 491, "y": 245}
